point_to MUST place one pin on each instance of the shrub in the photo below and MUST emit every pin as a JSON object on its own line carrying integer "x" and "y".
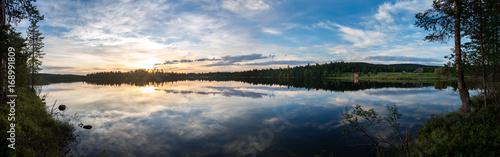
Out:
{"x": 457, "y": 134}
{"x": 37, "y": 133}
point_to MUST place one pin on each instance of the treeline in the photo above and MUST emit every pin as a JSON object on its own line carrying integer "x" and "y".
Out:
{"x": 332, "y": 69}
{"x": 43, "y": 79}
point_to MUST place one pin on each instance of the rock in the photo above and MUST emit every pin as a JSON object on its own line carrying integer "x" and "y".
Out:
{"x": 62, "y": 107}
{"x": 87, "y": 127}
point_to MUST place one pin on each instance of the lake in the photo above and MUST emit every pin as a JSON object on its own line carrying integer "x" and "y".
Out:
{"x": 237, "y": 118}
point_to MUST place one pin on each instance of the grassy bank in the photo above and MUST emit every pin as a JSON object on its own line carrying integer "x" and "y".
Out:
{"x": 36, "y": 132}
{"x": 394, "y": 76}
{"x": 458, "y": 134}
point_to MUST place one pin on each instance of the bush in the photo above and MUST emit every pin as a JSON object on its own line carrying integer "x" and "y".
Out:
{"x": 37, "y": 133}
{"x": 457, "y": 134}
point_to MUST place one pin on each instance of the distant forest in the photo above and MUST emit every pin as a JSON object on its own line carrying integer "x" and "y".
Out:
{"x": 332, "y": 69}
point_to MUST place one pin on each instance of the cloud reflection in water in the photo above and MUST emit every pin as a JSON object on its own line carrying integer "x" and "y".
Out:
{"x": 213, "y": 118}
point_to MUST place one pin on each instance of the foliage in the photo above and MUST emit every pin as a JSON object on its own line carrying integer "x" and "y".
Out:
{"x": 34, "y": 48}
{"x": 458, "y": 134}
{"x": 17, "y": 10}
{"x": 482, "y": 26}
{"x": 365, "y": 70}
{"x": 15, "y": 40}
{"x": 317, "y": 84}
{"x": 477, "y": 20}
{"x": 359, "y": 120}
{"x": 404, "y": 76}
{"x": 335, "y": 69}
{"x": 37, "y": 133}
{"x": 438, "y": 20}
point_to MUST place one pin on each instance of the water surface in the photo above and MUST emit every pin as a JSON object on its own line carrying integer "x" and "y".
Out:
{"x": 229, "y": 118}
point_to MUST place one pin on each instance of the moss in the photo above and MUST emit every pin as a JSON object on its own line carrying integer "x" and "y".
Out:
{"x": 458, "y": 134}
{"x": 37, "y": 133}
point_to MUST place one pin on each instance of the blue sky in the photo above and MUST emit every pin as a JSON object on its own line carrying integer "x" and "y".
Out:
{"x": 230, "y": 35}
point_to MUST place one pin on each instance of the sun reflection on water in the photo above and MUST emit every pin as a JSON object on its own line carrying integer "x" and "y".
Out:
{"x": 173, "y": 117}
{"x": 148, "y": 89}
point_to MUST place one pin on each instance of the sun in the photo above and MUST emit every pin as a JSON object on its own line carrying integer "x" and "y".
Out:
{"x": 146, "y": 64}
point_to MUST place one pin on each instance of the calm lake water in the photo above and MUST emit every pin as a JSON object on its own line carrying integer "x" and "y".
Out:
{"x": 229, "y": 118}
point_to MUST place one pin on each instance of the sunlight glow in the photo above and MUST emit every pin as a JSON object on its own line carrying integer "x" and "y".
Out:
{"x": 148, "y": 89}
{"x": 147, "y": 64}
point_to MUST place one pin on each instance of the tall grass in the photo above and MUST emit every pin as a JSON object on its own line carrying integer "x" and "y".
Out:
{"x": 37, "y": 132}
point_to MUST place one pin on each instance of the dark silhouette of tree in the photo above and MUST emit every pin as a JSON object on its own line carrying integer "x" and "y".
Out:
{"x": 34, "y": 48}
{"x": 462, "y": 87}
{"x": 12, "y": 12}
{"x": 443, "y": 20}
{"x": 365, "y": 70}
{"x": 481, "y": 24}
{"x": 477, "y": 20}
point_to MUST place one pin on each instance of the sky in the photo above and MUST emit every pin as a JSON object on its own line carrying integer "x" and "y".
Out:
{"x": 230, "y": 35}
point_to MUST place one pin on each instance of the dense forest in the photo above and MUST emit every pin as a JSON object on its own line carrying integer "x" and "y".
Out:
{"x": 332, "y": 69}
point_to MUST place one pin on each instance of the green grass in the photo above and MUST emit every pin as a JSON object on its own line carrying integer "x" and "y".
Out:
{"x": 458, "y": 134}
{"x": 37, "y": 133}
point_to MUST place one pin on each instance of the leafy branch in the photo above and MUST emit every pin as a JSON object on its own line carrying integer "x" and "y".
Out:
{"x": 359, "y": 120}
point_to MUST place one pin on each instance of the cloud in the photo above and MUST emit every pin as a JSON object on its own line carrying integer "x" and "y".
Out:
{"x": 387, "y": 11}
{"x": 358, "y": 37}
{"x": 407, "y": 92}
{"x": 176, "y": 29}
{"x": 185, "y": 61}
{"x": 341, "y": 49}
{"x": 206, "y": 59}
{"x": 224, "y": 91}
{"x": 171, "y": 62}
{"x": 110, "y": 23}
{"x": 232, "y": 91}
{"x": 240, "y": 58}
{"x": 386, "y": 32}
{"x": 271, "y": 31}
{"x": 110, "y": 34}
{"x": 56, "y": 68}
{"x": 289, "y": 62}
{"x": 401, "y": 59}
{"x": 188, "y": 61}
{"x": 324, "y": 25}
{"x": 233, "y": 60}
{"x": 223, "y": 61}
{"x": 362, "y": 38}
{"x": 245, "y": 7}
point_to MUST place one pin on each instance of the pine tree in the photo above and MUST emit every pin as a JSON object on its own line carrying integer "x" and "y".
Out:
{"x": 12, "y": 12}
{"x": 34, "y": 48}
{"x": 444, "y": 20}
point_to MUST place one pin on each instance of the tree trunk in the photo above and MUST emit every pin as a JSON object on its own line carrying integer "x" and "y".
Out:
{"x": 3, "y": 62}
{"x": 482, "y": 50}
{"x": 462, "y": 88}
{"x": 33, "y": 61}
